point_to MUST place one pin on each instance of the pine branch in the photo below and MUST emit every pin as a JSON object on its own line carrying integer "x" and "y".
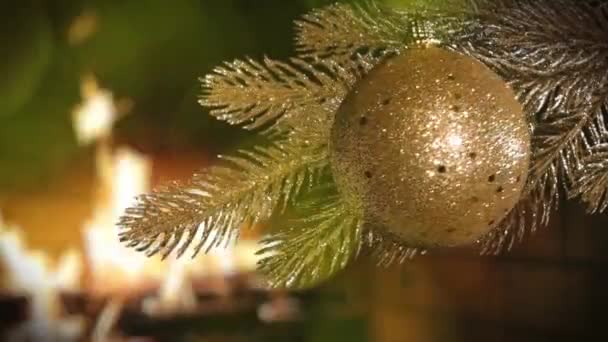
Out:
{"x": 530, "y": 214}
{"x": 316, "y": 246}
{"x": 591, "y": 178}
{"x": 340, "y": 31}
{"x": 287, "y": 96}
{"x": 557, "y": 142}
{"x": 555, "y": 55}
{"x": 554, "y": 52}
{"x": 215, "y": 204}
{"x": 388, "y": 249}
{"x": 592, "y": 184}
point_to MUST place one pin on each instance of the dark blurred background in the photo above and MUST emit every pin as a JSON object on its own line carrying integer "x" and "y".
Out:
{"x": 150, "y": 54}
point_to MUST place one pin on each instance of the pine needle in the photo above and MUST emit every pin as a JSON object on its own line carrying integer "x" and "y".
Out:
{"x": 341, "y": 31}
{"x": 285, "y": 96}
{"x": 591, "y": 177}
{"x": 319, "y": 243}
{"x": 388, "y": 249}
{"x": 215, "y": 204}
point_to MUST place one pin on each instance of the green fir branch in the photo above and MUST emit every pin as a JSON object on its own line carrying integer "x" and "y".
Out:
{"x": 299, "y": 95}
{"x": 212, "y": 207}
{"x": 320, "y": 242}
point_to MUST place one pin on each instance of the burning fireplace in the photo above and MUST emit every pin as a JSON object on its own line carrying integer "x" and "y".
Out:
{"x": 106, "y": 292}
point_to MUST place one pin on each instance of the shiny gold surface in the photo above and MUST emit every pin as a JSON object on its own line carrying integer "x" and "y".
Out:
{"x": 434, "y": 146}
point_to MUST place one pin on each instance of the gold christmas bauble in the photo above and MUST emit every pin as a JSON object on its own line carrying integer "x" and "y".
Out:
{"x": 433, "y": 146}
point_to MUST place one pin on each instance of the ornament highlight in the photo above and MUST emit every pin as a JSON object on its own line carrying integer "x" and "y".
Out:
{"x": 433, "y": 146}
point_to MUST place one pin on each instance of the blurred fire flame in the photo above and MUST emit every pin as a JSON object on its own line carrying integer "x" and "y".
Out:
{"x": 113, "y": 267}
{"x": 31, "y": 272}
{"x": 123, "y": 174}
{"x": 110, "y": 269}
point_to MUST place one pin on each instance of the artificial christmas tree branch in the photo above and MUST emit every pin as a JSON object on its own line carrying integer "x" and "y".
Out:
{"x": 552, "y": 53}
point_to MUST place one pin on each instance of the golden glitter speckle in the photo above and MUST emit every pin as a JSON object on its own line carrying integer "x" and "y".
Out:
{"x": 434, "y": 147}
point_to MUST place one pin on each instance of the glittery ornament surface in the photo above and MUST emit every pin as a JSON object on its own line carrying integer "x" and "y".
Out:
{"x": 433, "y": 146}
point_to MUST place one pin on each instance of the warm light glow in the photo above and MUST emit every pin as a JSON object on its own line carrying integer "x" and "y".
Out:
{"x": 455, "y": 140}
{"x": 69, "y": 271}
{"x": 176, "y": 293}
{"x": 93, "y": 119}
{"x": 32, "y": 273}
{"x": 123, "y": 176}
{"x": 83, "y": 27}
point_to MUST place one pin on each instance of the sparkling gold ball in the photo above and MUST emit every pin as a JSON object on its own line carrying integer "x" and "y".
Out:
{"x": 433, "y": 146}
